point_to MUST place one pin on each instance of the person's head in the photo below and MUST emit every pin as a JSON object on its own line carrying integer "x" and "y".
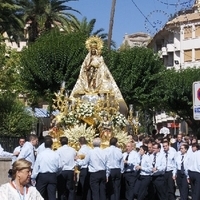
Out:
{"x": 150, "y": 148}
{"x": 154, "y": 132}
{"x": 166, "y": 146}
{"x": 130, "y": 138}
{"x": 21, "y": 141}
{"x": 21, "y": 171}
{"x": 93, "y": 49}
{"x": 63, "y": 141}
{"x": 143, "y": 150}
{"x": 135, "y": 138}
{"x": 113, "y": 141}
{"x": 195, "y": 147}
{"x": 141, "y": 137}
{"x": 96, "y": 142}
{"x": 187, "y": 139}
{"x": 179, "y": 137}
{"x": 105, "y": 118}
{"x": 82, "y": 140}
{"x": 194, "y": 140}
{"x": 48, "y": 142}
{"x": 33, "y": 139}
{"x": 145, "y": 141}
{"x": 184, "y": 148}
{"x": 129, "y": 147}
{"x": 156, "y": 147}
{"x": 159, "y": 139}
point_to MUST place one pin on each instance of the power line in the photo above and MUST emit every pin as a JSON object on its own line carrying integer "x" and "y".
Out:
{"x": 143, "y": 14}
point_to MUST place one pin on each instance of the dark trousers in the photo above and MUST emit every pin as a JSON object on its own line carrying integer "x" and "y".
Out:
{"x": 130, "y": 180}
{"x": 143, "y": 182}
{"x": 151, "y": 193}
{"x": 182, "y": 184}
{"x": 195, "y": 184}
{"x": 170, "y": 185}
{"x": 46, "y": 185}
{"x": 98, "y": 185}
{"x": 65, "y": 185}
{"x": 84, "y": 179}
{"x": 159, "y": 185}
{"x": 114, "y": 183}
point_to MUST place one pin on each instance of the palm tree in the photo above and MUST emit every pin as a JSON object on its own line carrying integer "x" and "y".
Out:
{"x": 88, "y": 28}
{"x": 10, "y": 21}
{"x": 42, "y": 15}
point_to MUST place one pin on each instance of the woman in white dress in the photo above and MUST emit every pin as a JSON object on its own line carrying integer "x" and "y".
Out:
{"x": 19, "y": 188}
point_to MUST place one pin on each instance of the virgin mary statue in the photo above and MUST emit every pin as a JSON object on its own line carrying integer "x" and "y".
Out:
{"x": 95, "y": 79}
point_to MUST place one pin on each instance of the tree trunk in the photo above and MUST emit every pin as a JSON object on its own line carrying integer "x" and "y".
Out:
{"x": 112, "y": 13}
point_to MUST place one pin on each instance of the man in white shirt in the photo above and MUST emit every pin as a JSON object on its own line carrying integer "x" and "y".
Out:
{"x": 18, "y": 148}
{"x": 131, "y": 159}
{"x": 28, "y": 150}
{"x": 66, "y": 181}
{"x": 98, "y": 167}
{"x": 84, "y": 174}
{"x": 45, "y": 170}
{"x": 169, "y": 154}
{"x": 159, "y": 166}
{"x": 115, "y": 164}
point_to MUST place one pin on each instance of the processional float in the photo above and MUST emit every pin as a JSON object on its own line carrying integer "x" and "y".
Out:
{"x": 95, "y": 107}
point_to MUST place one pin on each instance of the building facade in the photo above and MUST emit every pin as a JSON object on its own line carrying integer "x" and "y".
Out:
{"x": 178, "y": 42}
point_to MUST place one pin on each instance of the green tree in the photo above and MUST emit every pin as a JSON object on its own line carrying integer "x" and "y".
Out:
{"x": 88, "y": 28}
{"x": 9, "y": 66}
{"x": 41, "y": 15}
{"x": 53, "y": 58}
{"x": 175, "y": 91}
{"x": 15, "y": 120}
{"x": 136, "y": 72}
{"x": 10, "y": 20}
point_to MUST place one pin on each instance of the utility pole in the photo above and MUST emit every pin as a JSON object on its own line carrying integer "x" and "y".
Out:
{"x": 112, "y": 14}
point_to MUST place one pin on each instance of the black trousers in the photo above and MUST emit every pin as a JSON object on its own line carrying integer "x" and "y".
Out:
{"x": 159, "y": 186}
{"x": 195, "y": 184}
{"x": 46, "y": 185}
{"x": 98, "y": 185}
{"x": 84, "y": 179}
{"x": 170, "y": 185}
{"x": 143, "y": 184}
{"x": 114, "y": 184}
{"x": 130, "y": 181}
{"x": 65, "y": 185}
{"x": 182, "y": 184}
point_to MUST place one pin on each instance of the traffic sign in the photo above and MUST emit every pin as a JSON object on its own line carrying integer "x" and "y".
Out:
{"x": 196, "y": 100}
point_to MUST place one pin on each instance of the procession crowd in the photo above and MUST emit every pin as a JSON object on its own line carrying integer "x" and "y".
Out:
{"x": 148, "y": 169}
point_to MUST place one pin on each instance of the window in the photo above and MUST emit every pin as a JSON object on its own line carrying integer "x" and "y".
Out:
{"x": 197, "y": 54}
{"x": 188, "y": 55}
{"x": 197, "y": 31}
{"x": 187, "y": 32}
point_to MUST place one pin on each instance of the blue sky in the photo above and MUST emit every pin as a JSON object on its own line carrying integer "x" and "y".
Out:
{"x": 131, "y": 16}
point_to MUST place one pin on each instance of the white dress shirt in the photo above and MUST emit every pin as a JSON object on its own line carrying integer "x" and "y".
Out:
{"x": 96, "y": 160}
{"x": 115, "y": 156}
{"x": 170, "y": 159}
{"x": 160, "y": 164}
{"x": 194, "y": 162}
{"x": 5, "y": 153}
{"x": 84, "y": 150}
{"x": 132, "y": 162}
{"x": 67, "y": 156}
{"x": 47, "y": 161}
{"x": 27, "y": 152}
{"x": 146, "y": 167}
{"x": 178, "y": 160}
{"x": 40, "y": 148}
